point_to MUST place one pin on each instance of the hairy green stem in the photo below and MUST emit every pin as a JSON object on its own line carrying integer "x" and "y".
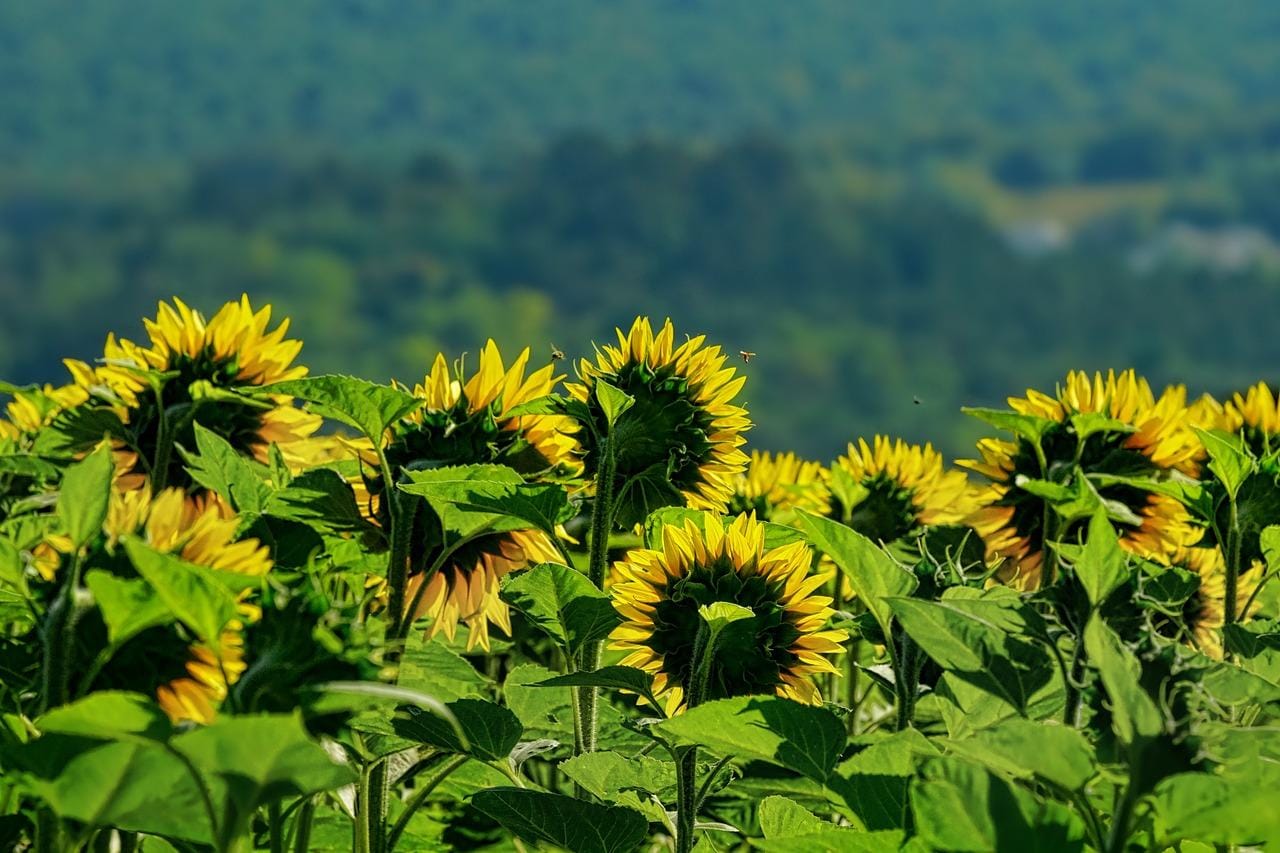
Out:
{"x": 404, "y": 516}
{"x": 60, "y": 633}
{"x": 1233, "y": 565}
{"x": 602, "y": 510}
{"x": 686, "y": 797}
{"x": 906, "y": 681}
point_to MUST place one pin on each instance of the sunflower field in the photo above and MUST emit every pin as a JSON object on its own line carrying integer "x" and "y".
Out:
{"x": 246, "y": 608}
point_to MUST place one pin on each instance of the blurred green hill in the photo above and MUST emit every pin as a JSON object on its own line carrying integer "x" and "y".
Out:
{"x": 901, "y": 208}
{"x": 110, "y": 83}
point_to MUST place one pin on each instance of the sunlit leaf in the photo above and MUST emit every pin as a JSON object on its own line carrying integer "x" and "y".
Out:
{"x": 566, "y": 822}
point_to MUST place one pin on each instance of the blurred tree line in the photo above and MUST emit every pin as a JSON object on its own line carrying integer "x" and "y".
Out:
{"x": 878, "y": 303}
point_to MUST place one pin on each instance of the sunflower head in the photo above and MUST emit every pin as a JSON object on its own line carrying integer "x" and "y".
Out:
{"x": 1204, "y": 613}
{"x": 887, "y": 489}
{"x": 186, "y": 369}
{"x": 776, "y": 484}
{"x": 1255, "y": 416}
{"x": 468, "y": 421}
{"x": 776, "y": 651}
{"x": 465, "y": 590}
{"x": 190, "y": 677}
{"x": 683, "y": 429}
{"x": 1095, "y": 426}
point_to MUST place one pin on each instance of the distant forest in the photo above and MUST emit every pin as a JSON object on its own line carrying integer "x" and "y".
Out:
{"x": 901, "y": 208}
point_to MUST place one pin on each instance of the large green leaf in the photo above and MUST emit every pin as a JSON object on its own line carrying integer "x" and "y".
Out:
{"x": 799, "y": 737}
{"x": 1022, "y": 749}
{"x": 84, "y": 495}
{"x": 252, "y": 760}
{"x": 633, "y": 782}
{"x": 450, "y": 492}
{"x": 626, "y": 678}
{"x": 874, "y": 574}
{"x": 1030, "y": 427}
{"x": 130, "y": 784}
{"x": 109, "y": 715}
{"x": 1225, "y": 812}
{"x": 368, "y": 407}
{"x": 217, "y": 466}
{"x": 960, "y": 806}
{"x": 970, "y": 638}
{"x": 1229, "y": 460}
{"x": 192, "y": 593}
{"x": 1102, "y": 567}
{"x": 431, "y": 667}
{"x": 566, "y": 822}
{"x": 967, "y": 709}
{"x": 1134, "y": 715}
{"x": 494, "y": 489}
{"x": 562, "y": 603}
{"x": 874, "y": 781}
{"x": 128, "y": 606}
{"x": 489, "y": 732}
{"x": 614, "y": 402}
{"x": 789, "y": 827}
{"x": 321, "y": 498}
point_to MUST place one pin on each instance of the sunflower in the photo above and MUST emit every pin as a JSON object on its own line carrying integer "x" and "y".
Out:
{"x": 1253, "y": 415}
{"x": 899, "y": 488}
{"x": 194, "y": 361}
{"x": 465, "y": 423}
{"x": 1205, "y": 612}
{"x": 683, "y": 423}
{"x": 658, "y": 594}
{"x": 202, "y": 532}
{"x": 775, "y": 485}
{"x": 1144, "y": 437}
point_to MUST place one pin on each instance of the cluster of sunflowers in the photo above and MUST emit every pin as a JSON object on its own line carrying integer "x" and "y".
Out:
{"x": 216, "y": 460}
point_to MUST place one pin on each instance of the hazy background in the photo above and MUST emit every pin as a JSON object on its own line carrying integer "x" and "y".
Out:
{"x": 901, "y": 207}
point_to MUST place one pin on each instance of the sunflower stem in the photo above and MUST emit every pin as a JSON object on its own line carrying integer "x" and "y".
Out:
{"x": 1230, "y": 614}
{"x": 686, "y": 797}
{"x": 404, "y": 513}
{"x": 601, "y": 525}
{"x": 302, "y": 829}
{"x": 60, "y": 634}
{"x": 906, "y": 681}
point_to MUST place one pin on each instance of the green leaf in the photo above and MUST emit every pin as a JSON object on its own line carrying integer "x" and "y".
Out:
{"x": 429, "y": 666}
{"x": 1133, "y": 715}
{"x": 1215, "y": 810}
{"x": 720, "y": 614}
{"x": 1102, "y": 568}
{"x": 368, "y": 407}
{"x": 109, "y": 715}
{"x": 28, "y": 465}
{"x": 780, "y": 817}
{"x": 645, "y": 493}
{"x": 961, "y": 806}
{"x": 971, "y": 639}
{"x": 562, "y": 603}
{"x": 1086, "y": 424}
{"x": 613, "y": 401}
{"x": 1229, "y": 460}
{"x": 1030, "y": 427}
{"x": 874, "y": 574}
{"x": 130, "y": 784}
{"x": 632, "y": 782}
{"x": 566, "y": 822}
{"x": 192, "y": 593}
{"x": 129, "y": 607}
{"x": 627, "y": 678}
{"x": 217, "y": 466}
{"x": 321, "y": 498}
{"x": 1022, "y": 749}
{"x": 85, "y": 494}
{"x": 493, "y": 490}
{"x": 253, "y": 760}
{"x": 450, "y": 492}
{"x": 874, "y": 781}
{"x": 489, "y": 731}
{"x": 799, "y": 737}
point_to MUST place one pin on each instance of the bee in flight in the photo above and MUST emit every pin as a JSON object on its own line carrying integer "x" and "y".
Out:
{"x": 556, "y": 353}
{"x": 746, "y": 355}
